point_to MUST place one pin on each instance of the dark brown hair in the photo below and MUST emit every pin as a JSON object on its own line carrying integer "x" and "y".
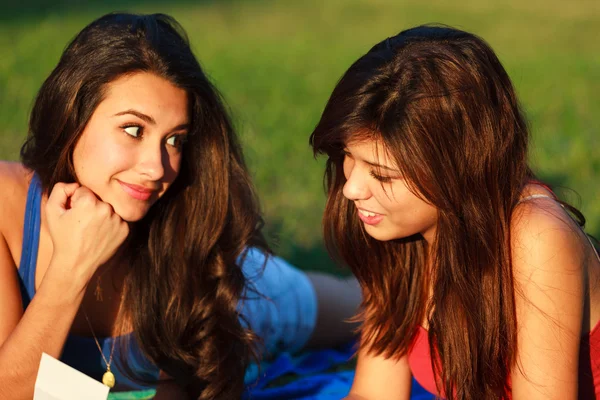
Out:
{"x": 185, "y": 280}
{"x": 443, "y": 106}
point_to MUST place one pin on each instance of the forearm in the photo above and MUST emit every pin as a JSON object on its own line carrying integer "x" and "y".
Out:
{"x": 380, "y": 378}
{"x": 43, "y": 328}
{"x": 338, "y": 300}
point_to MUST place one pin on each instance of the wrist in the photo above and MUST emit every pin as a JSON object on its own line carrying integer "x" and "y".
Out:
{"x": 62, "y": 283}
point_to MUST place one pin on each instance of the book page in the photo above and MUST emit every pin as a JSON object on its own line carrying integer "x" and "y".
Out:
{"x": 58, "y": 381}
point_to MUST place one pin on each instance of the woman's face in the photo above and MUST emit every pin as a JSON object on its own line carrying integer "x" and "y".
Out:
{"x": 387, "y": 208}
{"x": 130, "y": 151}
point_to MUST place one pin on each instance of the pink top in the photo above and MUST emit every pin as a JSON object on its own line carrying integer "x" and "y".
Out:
{"x": 419, "y": 360}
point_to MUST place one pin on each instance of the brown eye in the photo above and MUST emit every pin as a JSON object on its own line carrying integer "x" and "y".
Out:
{"x": 133, "y": 130}
{"x": 173, "y": 141}
{"x": 176, "y": 141}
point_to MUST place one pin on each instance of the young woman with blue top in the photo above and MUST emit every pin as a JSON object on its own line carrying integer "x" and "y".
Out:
{"x": 130, "y": 242}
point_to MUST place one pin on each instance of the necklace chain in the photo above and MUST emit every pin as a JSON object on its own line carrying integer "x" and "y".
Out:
{"x": 98, "y": 343}
{"x": 108, "y": 378}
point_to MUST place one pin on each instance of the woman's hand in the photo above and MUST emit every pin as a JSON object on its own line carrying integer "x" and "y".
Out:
{"x": 85, "y": 231}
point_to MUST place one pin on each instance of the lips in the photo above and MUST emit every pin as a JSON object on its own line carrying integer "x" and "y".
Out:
{"x": 136, "y": 191}
{"x": 369, "y": 217}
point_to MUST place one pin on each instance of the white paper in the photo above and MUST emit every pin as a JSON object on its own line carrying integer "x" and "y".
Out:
{"x": 58, "y": 381}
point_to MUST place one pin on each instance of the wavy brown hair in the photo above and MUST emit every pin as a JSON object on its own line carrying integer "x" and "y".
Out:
{"x": 182, "y": 290}
{"x": 444, "y": 107}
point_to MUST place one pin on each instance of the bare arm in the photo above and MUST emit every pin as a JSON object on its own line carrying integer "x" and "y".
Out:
{"x": 337, "y": 300}
{"x": 44, "y": 326}
{"x": 378, "y": 378}
{"x": 548, "y": 264}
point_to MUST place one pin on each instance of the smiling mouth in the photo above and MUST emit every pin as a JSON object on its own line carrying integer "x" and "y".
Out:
{"x": 137, "y": 192}
{"x": 369, "y": 218}
{"x": 367, "y": 213}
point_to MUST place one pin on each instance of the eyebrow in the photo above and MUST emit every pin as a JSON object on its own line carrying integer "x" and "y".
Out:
{"x": 138, "y": 114}
{"x": 375, "y": 165}
{"x": 149, "y": 119}
{"x": 372, "y": 164}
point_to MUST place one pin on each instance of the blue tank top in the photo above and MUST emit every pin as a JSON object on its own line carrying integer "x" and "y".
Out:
{"x": 80, "y": 352}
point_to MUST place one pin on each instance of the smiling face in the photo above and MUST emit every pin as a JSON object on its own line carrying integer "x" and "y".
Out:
{"x": 130, "y": 151}
{"x": 386, "y": 206}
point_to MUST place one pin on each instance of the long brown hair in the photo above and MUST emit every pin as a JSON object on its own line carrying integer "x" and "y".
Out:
{"x": 445, "y": 109}
{"x": 182, "y": 290}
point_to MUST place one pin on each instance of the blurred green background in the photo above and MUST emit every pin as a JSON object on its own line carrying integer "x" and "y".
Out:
{"x": 276, "y": 63}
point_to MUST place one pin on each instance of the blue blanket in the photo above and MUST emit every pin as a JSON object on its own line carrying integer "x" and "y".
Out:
{"x": 312, "y": 376}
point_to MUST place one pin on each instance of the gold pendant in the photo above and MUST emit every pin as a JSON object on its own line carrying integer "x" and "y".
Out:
{"x": 108, "y": 379}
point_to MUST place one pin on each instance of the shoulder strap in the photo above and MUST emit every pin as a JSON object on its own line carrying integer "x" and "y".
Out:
{"x": 31, "y": 239}
{"x": 535, "y": 196}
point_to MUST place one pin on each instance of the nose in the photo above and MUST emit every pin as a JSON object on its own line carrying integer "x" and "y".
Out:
{"x": 356, "y": 186}
{"x": 152, "y": 161}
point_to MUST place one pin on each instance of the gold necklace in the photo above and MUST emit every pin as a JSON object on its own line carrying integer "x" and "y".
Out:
{"x": 108, "y": 378}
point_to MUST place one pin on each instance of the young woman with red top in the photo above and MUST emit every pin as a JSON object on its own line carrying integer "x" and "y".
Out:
{"x": 460, "y": 252}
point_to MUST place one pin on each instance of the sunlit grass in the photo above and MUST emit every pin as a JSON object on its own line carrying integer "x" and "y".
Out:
{"x": 277, "y": 62}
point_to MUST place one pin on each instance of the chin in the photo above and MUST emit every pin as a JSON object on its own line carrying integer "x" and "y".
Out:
{"x": 380, "y": 234}
{"x": 132, "y": 218}
{"x": 130, "y": 215}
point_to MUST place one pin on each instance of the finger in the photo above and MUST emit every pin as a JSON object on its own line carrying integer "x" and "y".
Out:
{"x": 105, "y": 208}
{"x": 60, "y": 195}
{"x": 83, "y": 195}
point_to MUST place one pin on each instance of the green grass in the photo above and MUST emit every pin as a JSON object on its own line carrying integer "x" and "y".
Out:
{"x": 277, "y": 62}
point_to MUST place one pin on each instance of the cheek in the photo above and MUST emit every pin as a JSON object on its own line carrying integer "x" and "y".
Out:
{"x": 116, "y": 156}
{"x": 176, "y": 163}
{"x": 431, "y": 214}
{"x": 172, "y": 166}
{"x": 95, "y": 158}
{"x": 398, "y": 202}
{"x": 413, "y": 211}
{"x": 388, "y": 197}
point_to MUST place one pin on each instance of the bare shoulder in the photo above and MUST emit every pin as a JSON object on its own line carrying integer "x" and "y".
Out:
{"x": 546, "y": 243}
{"x": 15, "y": 180}
{"x": 14, "y": 175}
{"x": 550, "y": 256}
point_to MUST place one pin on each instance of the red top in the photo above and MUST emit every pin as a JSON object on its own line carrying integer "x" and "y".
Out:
{"x": 589, "y": 363}
{"x": 419, "y": 357}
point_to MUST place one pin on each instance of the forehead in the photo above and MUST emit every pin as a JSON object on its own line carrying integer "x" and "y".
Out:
{"x": 371, "y": 150}
{"x": 144, "y": 92}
